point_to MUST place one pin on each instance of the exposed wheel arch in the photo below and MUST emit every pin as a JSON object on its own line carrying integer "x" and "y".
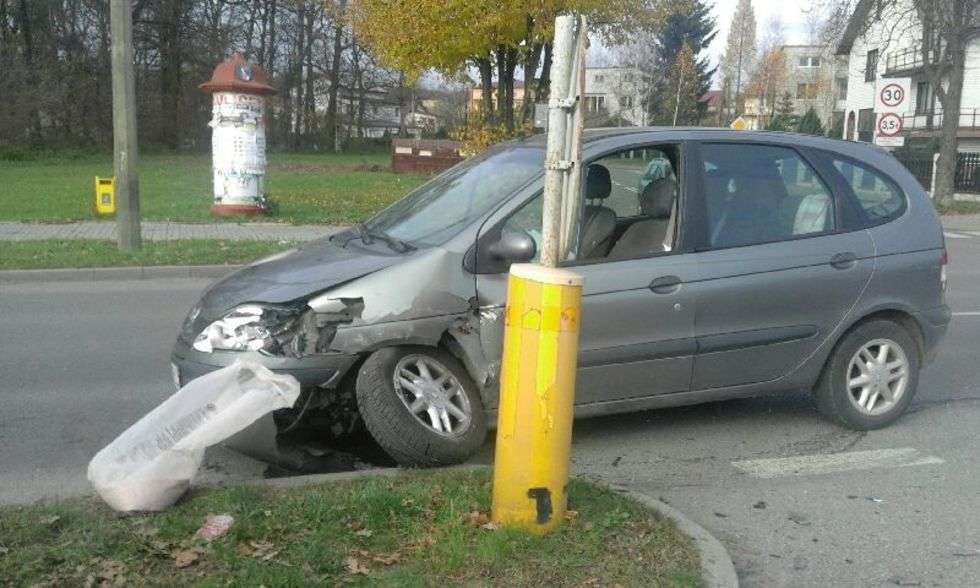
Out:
{"x": 900, "y": 316}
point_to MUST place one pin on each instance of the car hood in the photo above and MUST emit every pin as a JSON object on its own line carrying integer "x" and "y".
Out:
{"x": 294, "y": 275}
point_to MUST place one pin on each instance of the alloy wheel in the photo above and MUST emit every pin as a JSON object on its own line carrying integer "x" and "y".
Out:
{"x": 433, "y": 395}
{"x": 877, "y": 376}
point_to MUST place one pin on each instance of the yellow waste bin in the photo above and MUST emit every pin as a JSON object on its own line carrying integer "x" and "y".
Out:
{"x": 105, "y": 195}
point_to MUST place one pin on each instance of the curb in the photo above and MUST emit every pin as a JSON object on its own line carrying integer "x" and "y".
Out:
{"x": 115, "y": 273}
{"x": 717, "y": 568}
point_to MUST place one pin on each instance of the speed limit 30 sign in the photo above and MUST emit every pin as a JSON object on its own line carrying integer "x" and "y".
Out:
{"x": 892, "y": 95}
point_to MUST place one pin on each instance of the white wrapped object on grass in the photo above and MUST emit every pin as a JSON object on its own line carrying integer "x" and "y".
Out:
{"x": 153, "y": 462}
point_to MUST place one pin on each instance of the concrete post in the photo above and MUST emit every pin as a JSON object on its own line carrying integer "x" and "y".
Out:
{"x": 124, "y": 146}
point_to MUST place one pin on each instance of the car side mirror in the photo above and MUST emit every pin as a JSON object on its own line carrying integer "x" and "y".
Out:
{"x": 512, "y": 247}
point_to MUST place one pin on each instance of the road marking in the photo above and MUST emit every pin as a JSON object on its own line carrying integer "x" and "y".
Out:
{"x": 949, "y": 235}
{"x": 966, "y": 313}
{"x": 805, "y": 465}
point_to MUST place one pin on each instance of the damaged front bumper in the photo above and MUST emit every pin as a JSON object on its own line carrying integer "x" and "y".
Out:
{"x": 323, "y": 370}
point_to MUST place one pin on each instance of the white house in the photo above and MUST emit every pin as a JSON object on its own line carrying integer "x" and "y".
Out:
{"x": 884, "y": 46}
{"x": 615, "y": 90}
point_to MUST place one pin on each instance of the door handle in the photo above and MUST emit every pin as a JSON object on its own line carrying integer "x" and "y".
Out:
{"x": 665, "y": 284}
{"x": 843, "y": 260}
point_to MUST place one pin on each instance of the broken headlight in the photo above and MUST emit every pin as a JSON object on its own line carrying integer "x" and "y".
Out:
{"x": 250, "y": 327}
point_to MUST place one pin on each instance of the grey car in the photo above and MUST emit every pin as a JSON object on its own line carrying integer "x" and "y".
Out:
{"x": 752, "y": 263}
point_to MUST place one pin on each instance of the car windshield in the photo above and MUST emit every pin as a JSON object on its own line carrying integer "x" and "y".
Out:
{"x": 439, "y": 209}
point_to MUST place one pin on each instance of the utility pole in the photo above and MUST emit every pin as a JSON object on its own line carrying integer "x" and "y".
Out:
{"x": 125, "y": 148}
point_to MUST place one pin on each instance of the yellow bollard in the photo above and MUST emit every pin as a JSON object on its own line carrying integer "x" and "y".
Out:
{"x": 537, "y": 391}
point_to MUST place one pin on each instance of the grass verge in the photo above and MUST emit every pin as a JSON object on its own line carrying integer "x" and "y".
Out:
{"x": 958, "y": 207}
{"x": 419, "y": 529}
{"x": 52, "y": 254}
{"x": 302, "y": 188}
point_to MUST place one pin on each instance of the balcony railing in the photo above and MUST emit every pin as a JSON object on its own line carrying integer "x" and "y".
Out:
{"x": 909, "y": 59}
{"x": 933, "y": 120}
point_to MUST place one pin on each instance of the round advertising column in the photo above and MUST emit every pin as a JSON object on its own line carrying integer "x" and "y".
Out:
{"x": 238, "y": 136}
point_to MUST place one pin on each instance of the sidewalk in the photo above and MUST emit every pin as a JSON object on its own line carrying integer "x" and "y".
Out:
{"x": 168, "y": 231}
{"x": 165, "y": 231}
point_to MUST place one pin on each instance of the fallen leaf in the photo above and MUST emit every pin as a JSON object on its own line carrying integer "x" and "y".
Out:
{"x": 185, "y": 557}
{"x": 354, "y": 566}
{"x": 261, "y": 550}
{"x": 490, "y": 526}
{"x": 364, "y": 532}
{"x": 477, "y": 518}
{"x": 387, "y": 558}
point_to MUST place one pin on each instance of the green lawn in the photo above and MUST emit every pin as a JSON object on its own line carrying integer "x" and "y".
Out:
{"x": 418, "y": 529}
{"x": 49, "y": 254}
{"x": 304, "y": 188}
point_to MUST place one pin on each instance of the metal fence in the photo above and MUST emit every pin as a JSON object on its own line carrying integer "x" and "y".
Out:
{"x": 967, "y": 171}
{"x": 920, "y": 167}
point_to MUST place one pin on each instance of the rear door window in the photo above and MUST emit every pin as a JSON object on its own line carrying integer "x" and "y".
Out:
{"x": 761, "y": 194}
{"x": 879, "y": 198}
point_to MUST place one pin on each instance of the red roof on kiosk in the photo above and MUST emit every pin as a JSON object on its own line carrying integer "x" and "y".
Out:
{"x": 237, "y": 75}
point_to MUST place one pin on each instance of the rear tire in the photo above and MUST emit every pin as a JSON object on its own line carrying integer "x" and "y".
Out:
{"x": 871, "y": 377}
{"x": 412, "y": 438}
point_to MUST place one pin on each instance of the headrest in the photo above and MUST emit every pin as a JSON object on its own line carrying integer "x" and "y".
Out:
{"x": 657, "y": 198}
{"x": 598, "y": 184}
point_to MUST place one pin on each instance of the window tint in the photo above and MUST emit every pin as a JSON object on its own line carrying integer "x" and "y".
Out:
{"x": 879, "y": 198}
{"x": 760, "y": 194}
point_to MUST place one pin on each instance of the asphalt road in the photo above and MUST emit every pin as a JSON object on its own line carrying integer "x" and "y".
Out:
{"x": 79, "y": 362}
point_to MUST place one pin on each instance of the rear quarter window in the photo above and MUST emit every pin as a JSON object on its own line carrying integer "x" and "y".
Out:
{"x": 878, "y": 197}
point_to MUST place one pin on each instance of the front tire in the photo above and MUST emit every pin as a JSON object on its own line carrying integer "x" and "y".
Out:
{"x": 870, "y": 379}
{"x": 421, "y": 406}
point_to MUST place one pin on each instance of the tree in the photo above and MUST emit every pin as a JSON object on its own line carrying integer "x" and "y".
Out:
{"x": 687, "y": 88}
{"x": 810, "y": 123}
{"x": 691, "y": 27}
{"x": 495, "y": 37}
{"x": 948, "y": 25}
{"x": 768, "y": 78}
{"x": 740, "y": 50}
{"x": 785, "y": 119}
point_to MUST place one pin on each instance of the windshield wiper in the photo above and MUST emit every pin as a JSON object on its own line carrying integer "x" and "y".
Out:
{"x": 367, "y": 236}
{"x": 396, "y": 244}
